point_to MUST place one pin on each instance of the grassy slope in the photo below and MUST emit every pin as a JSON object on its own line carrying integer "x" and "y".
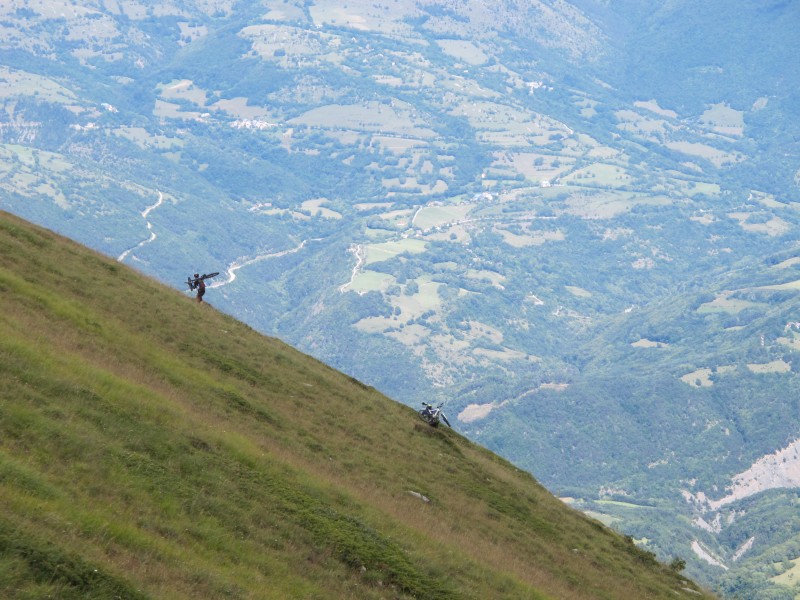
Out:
{"x": 151, "y": 447}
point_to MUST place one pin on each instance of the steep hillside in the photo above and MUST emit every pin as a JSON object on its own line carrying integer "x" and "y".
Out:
{"x": 576, "y": 222}
{"x": 152, "y": 447}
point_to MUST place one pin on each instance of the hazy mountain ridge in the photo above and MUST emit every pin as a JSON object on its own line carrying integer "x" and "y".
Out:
{"x": 547, "y": 244}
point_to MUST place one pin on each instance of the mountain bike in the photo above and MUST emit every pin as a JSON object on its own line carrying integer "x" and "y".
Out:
{"x": 432, "y": 415}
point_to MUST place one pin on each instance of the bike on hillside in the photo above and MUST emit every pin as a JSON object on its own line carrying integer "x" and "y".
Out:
{"x": 432, "y": 415}
{"x": 194, "y": 282}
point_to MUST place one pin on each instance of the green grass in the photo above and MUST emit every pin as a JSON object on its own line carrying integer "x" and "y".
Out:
{"x": 151, "y": 447}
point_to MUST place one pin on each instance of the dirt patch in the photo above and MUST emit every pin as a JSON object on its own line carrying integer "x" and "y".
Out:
{"x": 475, "y": 412}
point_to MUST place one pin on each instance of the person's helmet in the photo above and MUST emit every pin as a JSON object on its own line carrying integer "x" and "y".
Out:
{"x": 196, "y": 275}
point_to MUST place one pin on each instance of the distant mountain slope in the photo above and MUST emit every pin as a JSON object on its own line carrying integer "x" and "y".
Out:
{"x": 151, "y": 447}
{"x": 692, "y": 55}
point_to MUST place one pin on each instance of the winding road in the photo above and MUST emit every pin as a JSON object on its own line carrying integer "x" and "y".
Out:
{"x": 243, "y": 262}
{"x": 360, "y": 254}
{"x": 145, "y": 213}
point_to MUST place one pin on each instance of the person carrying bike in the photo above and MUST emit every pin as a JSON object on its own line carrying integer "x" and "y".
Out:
{"x": 200, "y": 286}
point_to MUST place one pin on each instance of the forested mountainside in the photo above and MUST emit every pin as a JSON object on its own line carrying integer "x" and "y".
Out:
{"x": 574, "y": 223}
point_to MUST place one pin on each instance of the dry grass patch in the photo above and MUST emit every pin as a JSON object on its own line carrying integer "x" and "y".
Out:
{"x": 645, "y": 125}
{"x": 495, "y": 278}
{"x": 391, "y": 249}
{"x": 652, "y": 106}
{"x": 793, "y": 342}
{"x": 494, "y": 356}
{"x": 578, "y": 291}
{"x": 363, "y": 15}
{"x": 698, "y": 378}
{"x": 368, "y": 116}
{"x": 534, "y": 166}
{"x": 719, "y": 158}
{"x": 183, "y": 89}
{"x": 463, "y": 50}
{"x": 370, "y": 281}
{"x": 170, "y": 110}
{"x": 22, "y": 83}
{"x": 773, "y": 227}
{"x": 724, "y": 302}
{"x": 608, "y": 205}
{"x": 316, "y": 208}
{"x": 530, "y": 238}
{"x": 599, "y": 175}
{"x": 475, "y": 412}
{"x": 645, "y": 343}
{"x": 433, "y": 216}
{"x": 723, "y": 119}
{"x": 775, "y": 366}
{"x": 144, "y": 139}
{"x": 397, "y": 144}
